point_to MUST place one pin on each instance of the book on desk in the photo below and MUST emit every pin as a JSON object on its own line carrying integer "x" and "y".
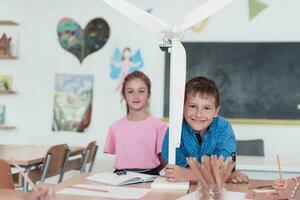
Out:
{"x": 121, "y": 179}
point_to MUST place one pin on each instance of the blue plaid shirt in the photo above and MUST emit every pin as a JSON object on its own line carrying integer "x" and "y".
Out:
{"x": 218, "y": 140}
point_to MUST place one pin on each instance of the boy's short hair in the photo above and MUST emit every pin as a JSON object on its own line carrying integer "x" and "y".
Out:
{"x": 204, "y": 87}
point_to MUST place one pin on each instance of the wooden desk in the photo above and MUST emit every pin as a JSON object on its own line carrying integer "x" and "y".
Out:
{"x": 265, "y": 168}
{"x": 6, "y": 194}
{"x": 28, "y": 156}
{"x": 153, "y": 195}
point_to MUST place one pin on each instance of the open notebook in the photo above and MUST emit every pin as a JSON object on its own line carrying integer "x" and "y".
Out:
{"x": 124, "y": 179}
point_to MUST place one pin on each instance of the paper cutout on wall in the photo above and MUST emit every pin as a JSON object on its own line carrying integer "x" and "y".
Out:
{"x": 2, "y": 114}
{"x": 256, "y": 7}
{"x": 200, "y": 26}
{"x": 123, "y": 63}
{"x": 72, "y": 102}
{"x": 80, "y": 42}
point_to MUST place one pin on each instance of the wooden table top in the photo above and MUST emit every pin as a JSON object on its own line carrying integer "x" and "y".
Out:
{"x": 26, "y": 155}
{"x": 152, "y": 195}
{"x": 6, "y": 194}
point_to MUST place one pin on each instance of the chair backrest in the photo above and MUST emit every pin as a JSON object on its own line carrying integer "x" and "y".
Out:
{"x": 89, "y": 156}
{"x": 55, "y": 162}
{"x": 6, "y": 179}
{"x": 254, "y": 147}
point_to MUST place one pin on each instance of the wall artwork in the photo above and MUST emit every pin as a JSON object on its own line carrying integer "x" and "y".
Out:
{"x": 9, "y": 36}
{"x": 6, "y": 83}
{"x": 72, "y": 102}
{"x": 255, "y": 8}
{"x": 82, "y": 43}
{"x": 125, "y": 61}
{"x": 2, "y": 114}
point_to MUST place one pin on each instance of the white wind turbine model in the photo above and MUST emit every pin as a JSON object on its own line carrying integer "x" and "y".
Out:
{"x": 171, "y": 37}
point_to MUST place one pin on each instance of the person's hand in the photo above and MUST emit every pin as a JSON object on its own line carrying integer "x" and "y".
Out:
{"x": 289, "y": 189}
{"x": 280, "y": 184}
{"x": 175, "y": 173}
{"x": 42, "y": 192}
{"x": 238, "y": 177}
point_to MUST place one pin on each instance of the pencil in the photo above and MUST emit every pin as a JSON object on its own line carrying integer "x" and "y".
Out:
{"x": 279, "y": 169}
{"x": 90, "y": 189}
{"x": 24, "y": 175}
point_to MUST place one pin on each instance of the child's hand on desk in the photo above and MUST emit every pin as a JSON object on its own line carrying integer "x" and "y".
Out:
{"x": 42, "y": 192}
{"x": 287, "y": 189}
{"x": 280, "y": 184}
{"x": 238, "y": 177}
{"x": 175, "y": 173}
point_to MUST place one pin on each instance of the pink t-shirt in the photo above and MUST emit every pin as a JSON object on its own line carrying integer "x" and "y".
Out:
{"x": 136, "y": 144}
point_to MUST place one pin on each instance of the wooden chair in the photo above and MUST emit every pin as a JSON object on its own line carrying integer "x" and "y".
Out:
{"x": 253, "y": 147}
{"x": 54, "y": 164}
{"x": 6, "y": 179}
{"x": 87, "y": 158}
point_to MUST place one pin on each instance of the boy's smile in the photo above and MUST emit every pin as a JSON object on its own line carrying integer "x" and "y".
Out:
{"x": 199, "y": 111}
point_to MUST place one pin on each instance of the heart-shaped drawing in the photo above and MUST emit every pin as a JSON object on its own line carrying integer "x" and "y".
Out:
{"x": 80, "y": 42}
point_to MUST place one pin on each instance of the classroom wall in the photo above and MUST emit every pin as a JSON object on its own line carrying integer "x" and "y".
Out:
{"x": 41, "y": 57}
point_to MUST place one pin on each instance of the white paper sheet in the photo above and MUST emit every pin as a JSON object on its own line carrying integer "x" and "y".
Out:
{"x": 113, "y": 191}
{"x": 229, "y": 195}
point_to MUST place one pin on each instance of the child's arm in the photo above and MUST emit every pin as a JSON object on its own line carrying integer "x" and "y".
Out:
{"x": 162, "y": 163}
{"x": 175, "y": 173}
{"x": 110, "y": 145}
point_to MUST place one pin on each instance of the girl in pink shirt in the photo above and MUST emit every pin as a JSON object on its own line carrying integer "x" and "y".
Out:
{"x": 136, "y": 139}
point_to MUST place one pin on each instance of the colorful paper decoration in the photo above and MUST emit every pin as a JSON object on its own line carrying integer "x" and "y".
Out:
{"x": 125, "y": 62}
{"x": 72, "y": 102}
{"x": 2, "y": 114}
{"x": 256, "y": 7}
{"x": 82, "y": 43}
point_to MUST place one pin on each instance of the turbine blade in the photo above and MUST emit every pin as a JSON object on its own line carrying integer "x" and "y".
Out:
{"x": 138, "y": 15}
{"x": 177, "y": 87}
{"x": 202, "y": 12}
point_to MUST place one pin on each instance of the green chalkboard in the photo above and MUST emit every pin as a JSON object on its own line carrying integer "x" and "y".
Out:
{"x": 257, "y": 80}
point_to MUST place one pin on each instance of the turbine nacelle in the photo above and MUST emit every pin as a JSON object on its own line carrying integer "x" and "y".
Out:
{"x": 173, "y": 33}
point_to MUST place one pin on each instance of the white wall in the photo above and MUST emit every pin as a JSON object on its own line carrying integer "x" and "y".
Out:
{"x": 41, "y": 57}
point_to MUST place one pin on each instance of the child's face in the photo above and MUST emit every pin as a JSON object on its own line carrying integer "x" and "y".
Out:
{"x": 136, "y": 95}
{"x": 199, "y": 111}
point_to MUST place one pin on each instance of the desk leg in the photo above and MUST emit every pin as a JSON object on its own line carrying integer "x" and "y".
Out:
{"x": 25, "y": 182}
